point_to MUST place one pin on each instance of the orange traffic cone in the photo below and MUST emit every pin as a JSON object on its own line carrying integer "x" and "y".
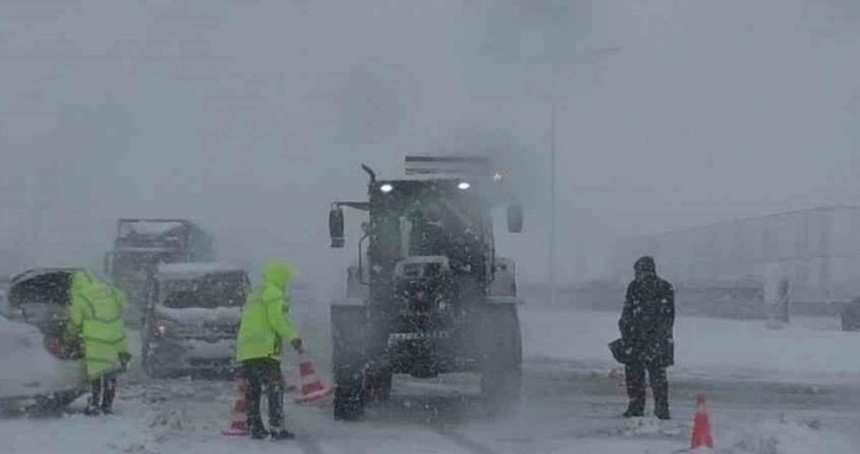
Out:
{"x": 313, "y": 388}
{"x": 239, "y": 419}
{"x": 701, "y": 426}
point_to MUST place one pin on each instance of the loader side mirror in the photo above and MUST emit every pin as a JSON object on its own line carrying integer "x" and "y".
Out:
{"x": 335, "y": 227}
{"x": 515, "y": 218}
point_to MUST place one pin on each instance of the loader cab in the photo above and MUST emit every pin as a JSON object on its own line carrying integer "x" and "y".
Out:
{"x": 426, "y": 217}
{"x": 429, "y": 218}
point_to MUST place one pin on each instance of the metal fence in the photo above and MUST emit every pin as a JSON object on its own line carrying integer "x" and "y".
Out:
{"x": 818, "y": 250}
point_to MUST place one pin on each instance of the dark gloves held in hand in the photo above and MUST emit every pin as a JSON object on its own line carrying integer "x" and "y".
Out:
{"x": 124, "y": 359}
{"x": 297, "y": 345}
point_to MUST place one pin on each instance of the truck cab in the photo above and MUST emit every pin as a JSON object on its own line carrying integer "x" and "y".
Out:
{"x": 141, "y": 245}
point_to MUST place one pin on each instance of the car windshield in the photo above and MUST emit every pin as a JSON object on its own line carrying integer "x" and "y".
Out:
{"x": 210, "y": 291}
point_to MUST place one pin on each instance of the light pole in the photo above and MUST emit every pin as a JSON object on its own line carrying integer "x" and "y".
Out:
{"x": 553, "y": 296}
{"x": 552, "y": 256}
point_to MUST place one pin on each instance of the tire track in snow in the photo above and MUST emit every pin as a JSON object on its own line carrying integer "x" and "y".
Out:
{"x": 462, "y": 441}
{"x": 308, "y": 444}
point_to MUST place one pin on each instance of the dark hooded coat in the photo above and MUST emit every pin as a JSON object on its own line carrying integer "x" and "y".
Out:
{"x": 648, "y": 318}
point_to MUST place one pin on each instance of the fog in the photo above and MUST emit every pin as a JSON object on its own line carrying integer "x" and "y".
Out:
{"x": 251, "y": 116}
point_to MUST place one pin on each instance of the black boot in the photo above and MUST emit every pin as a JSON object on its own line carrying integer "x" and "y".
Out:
{"x": 634, "y": 376}
{"x": 660, "y": 386}
{"x": 258, "y": 432}
{"x": 108, "y": 396}
{"x": 93, "y": 408}
{"x": 633, "y": 412}
{"x": 283, "y": 434}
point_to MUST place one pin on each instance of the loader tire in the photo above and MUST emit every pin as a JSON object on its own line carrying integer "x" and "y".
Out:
{"x": 348, "y": 361}
{"x": 501, "y": 365}
{"x": 378, "y": 384}
{"x": 349, "y": 400}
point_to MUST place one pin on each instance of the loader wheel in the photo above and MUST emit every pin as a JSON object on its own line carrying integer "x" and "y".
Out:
{"x": 378, "y": 384}
{"x": 348, "y": 361}
{"x": 349, "y": 400}
{"x": 501, "y": 368}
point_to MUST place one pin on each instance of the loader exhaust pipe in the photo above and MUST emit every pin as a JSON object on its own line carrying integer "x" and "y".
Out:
{"x": 370, "y": 172}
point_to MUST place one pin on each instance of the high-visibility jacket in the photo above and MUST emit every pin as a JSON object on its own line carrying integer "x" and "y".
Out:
{"x": 96, "y": 316}
{"x": 266, "y": 322}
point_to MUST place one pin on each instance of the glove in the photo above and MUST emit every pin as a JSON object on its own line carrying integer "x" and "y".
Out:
{"x": 124, "y": 359}
{"x": 297, "y": 345}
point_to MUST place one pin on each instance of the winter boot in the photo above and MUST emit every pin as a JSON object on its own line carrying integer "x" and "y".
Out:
{"x": 258, "y": 432}
{"x": 661, "y": 410}
{"x": 283, "y": 434}
{"x": 93, "y": 408}
{"x": 661, "y": 399}
{"x": 108, "y": 396}
{"x": 633, "y": 412}
{"x": 635, "y": 409}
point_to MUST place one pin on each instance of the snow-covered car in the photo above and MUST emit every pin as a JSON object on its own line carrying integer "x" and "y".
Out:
{"x": 192, "y": 318}
{"x": 38, "y": 374}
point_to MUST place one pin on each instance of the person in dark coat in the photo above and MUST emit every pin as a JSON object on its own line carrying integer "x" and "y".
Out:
{"x": 646, "y": 330}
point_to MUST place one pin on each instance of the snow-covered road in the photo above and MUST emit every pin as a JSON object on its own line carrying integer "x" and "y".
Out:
{"x": 570, "y": 406}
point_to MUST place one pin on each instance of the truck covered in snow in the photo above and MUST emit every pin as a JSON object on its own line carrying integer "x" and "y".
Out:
{"x": 141, "y": 244}
{"x": 192, "y": 317}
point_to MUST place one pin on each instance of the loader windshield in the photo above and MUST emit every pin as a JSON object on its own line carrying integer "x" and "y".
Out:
{"x": 432, "y": 218}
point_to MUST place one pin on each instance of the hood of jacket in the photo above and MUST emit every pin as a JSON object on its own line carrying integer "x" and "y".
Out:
{"x": 81, "y": 280}
{"x": 278, "y": 274}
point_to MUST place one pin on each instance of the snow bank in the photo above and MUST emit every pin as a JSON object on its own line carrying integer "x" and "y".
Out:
{"x": 742, "y": 349}
{"x": 35, "y": 370}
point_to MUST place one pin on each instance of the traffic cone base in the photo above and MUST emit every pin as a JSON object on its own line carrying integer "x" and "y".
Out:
{"x": 239, "y": 421}
{"x": 314, "y": 396}
{"x": 702, "y": 436}
{"x": 313, "y": 389}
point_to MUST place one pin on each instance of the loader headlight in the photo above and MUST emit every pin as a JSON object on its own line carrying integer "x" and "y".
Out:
{"x": 386, "y": 188}
{"x": 464, "y": 185}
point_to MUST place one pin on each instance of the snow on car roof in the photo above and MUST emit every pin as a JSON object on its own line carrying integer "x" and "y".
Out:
{"x": 37, "y": 272}
{"x": 149, "y": 227}
{"x": 190, "y": 270}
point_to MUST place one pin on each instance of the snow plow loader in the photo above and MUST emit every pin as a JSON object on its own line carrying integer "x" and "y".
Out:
{"x": 425, "y": 295}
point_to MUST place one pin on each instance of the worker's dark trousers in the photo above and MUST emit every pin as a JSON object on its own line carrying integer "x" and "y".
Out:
{"x": 102, "y": 393}
{"x": 260, "y": 373}
{"x": 635, "y": 377}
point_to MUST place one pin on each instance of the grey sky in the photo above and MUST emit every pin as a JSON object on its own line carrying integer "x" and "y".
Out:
{"x": 252, "y": 115}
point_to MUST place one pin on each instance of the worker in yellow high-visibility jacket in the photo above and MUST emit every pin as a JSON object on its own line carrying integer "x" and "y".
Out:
{"x": 265, "y": 326}
{"x": 96, "y": 319}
